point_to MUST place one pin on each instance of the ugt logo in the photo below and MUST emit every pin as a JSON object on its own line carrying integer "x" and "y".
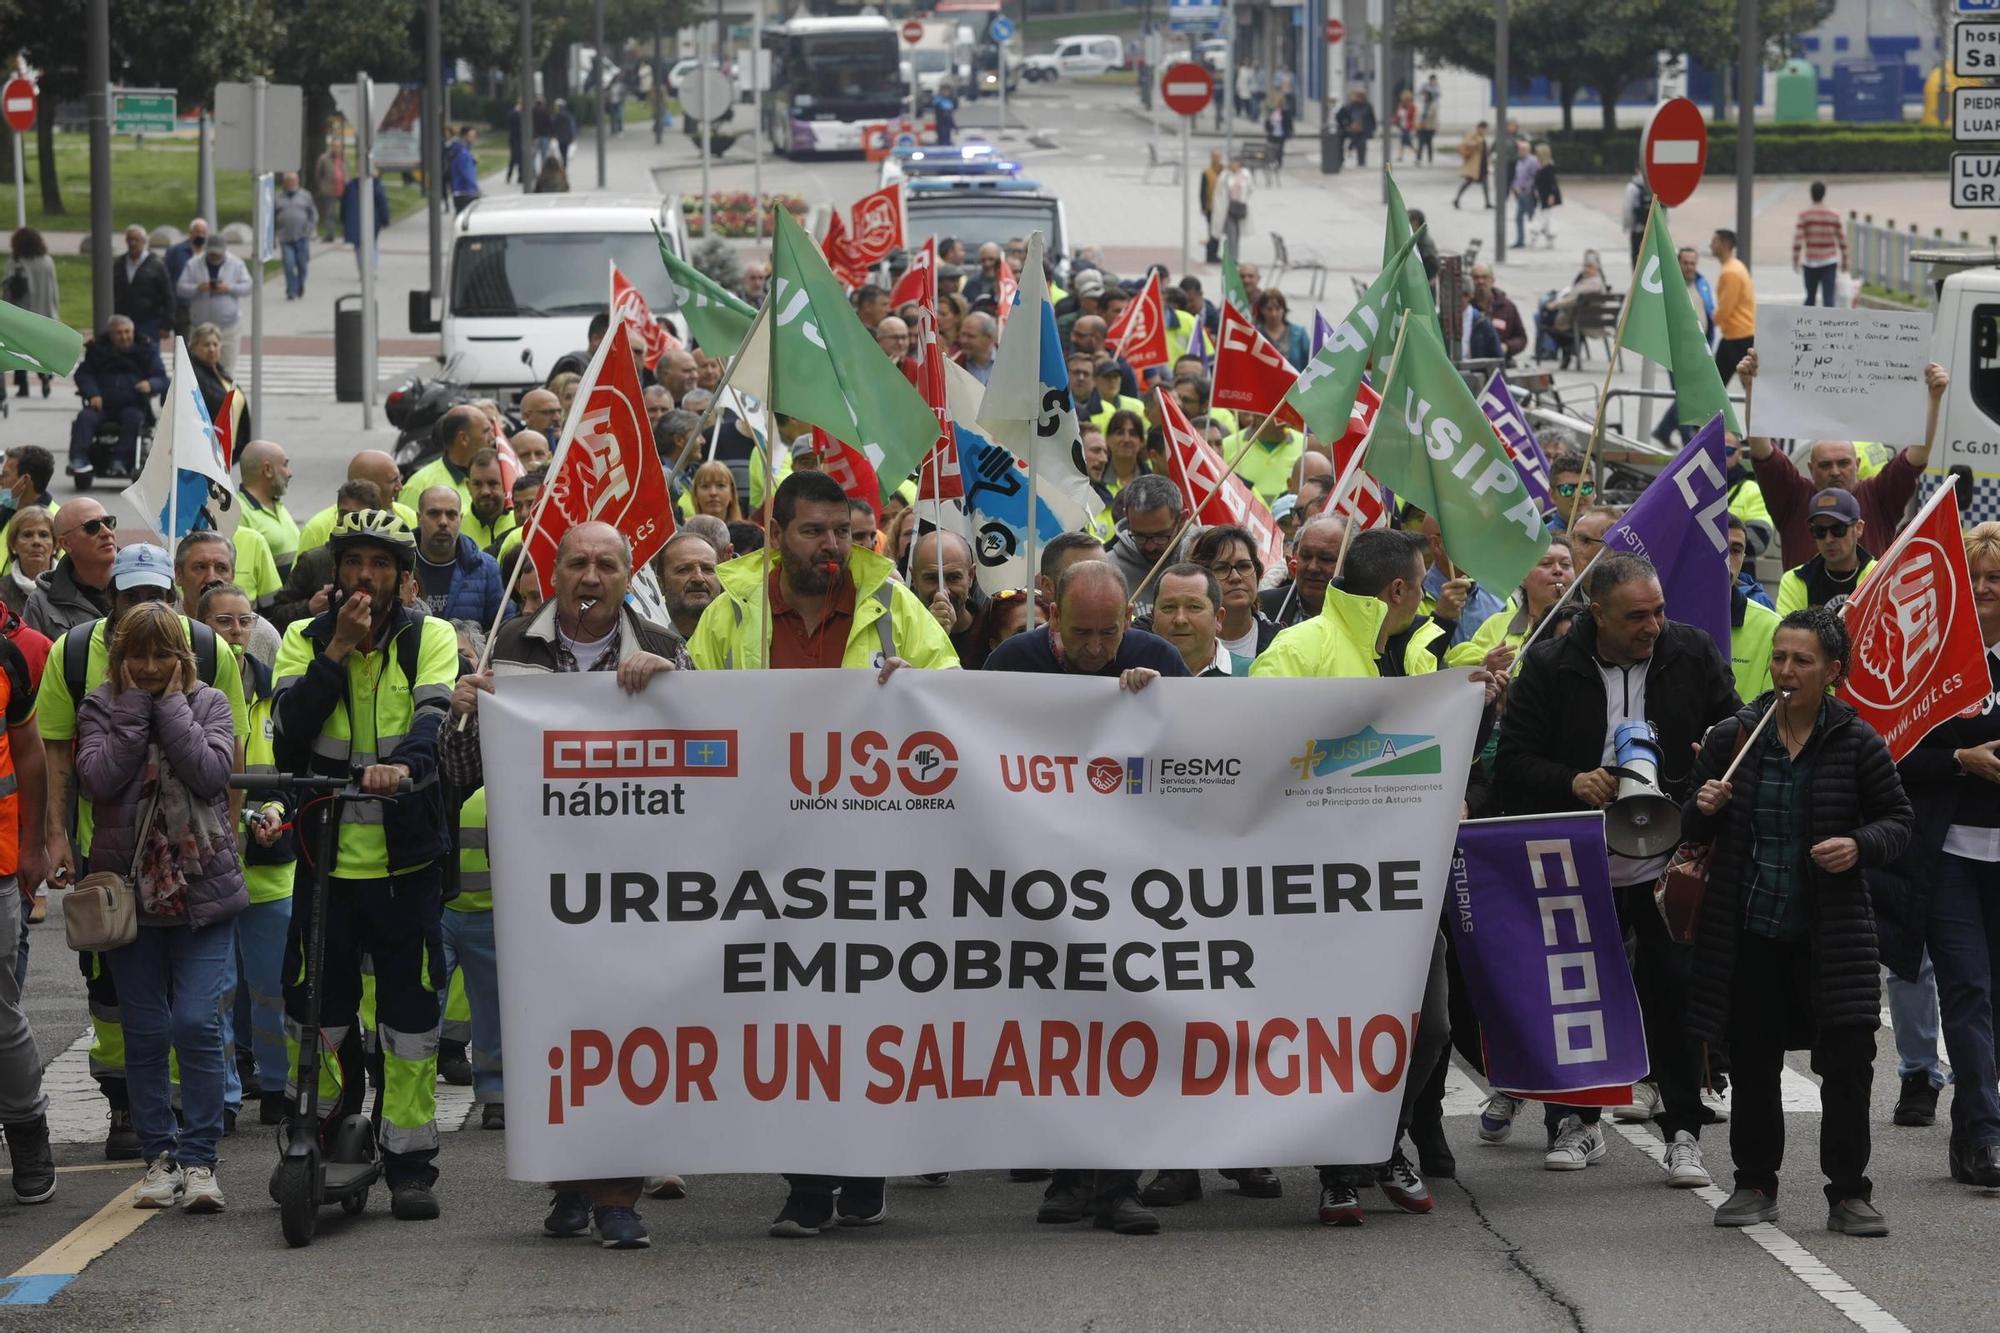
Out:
{"x": 924, "y": 764}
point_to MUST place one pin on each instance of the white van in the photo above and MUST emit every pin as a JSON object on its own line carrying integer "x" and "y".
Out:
{"x": 525, "y": 273}
{"x": 1081, "y": 55}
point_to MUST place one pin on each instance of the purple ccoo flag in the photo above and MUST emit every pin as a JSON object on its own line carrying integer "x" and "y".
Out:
{"x": 1510, "y": 423}
{"x": 1539, "y": 942}
{"x": 1681, "y": 524}
{"x": 1321, "y": 332}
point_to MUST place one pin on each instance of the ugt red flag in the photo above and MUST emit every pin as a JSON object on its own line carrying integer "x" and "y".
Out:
{"x": 839, "y": 251}
{"x": 851, "y": 468}
{"x": 919, "y": 280}
{"x": 1140, "y": 335}
{"x": 1918, "y": 656}
{"x": 1213, "y": 494}
{"x": 877, "y": 226}
{"x": 1251, "y": 376}
{"x": 629, "y": 308}
{"x": 606, "y": 470}
{"x": 1006, "y": 288}
{"x": 937, "y": 475}
{"x": 1365, "y": 502}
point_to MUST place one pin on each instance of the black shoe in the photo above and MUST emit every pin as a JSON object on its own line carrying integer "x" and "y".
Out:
{"x": 1917, "y": 1106}
{"x": 569, "y": 1215}
{"x": 1170, "y": 1189}
{"x": 1027, "y": 1175}
{"x": 863, "y": 1205}
{"x": 938, "y": 1178}
{"x": 34, "y": 1164}
{"x": 1257, "y": 1182}
{"x": 1979, "y": 1167}
{"x": 1747, "y": 1207}
{"x": 122, "y": 1143}
{"x": 620, "y": 1228}
{"x": 493, "y": 1115}
{"x": 1123, "y": 1213}
{"x": 413, "y": 1202}
{"x": 271, "y": 1108}
{"x": 1434, "y": 1155}
{"x": 228, "y": 1123}
{"x": 803, "y": 1215}
{"x": 453, "y": 1067}
{"x": 1856, "y": 1217}
{"x": 1065, "y": 1200}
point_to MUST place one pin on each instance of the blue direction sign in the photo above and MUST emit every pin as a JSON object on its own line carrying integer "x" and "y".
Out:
{"x": 1001, "y": 27}
{"x": 1199, "y": 15}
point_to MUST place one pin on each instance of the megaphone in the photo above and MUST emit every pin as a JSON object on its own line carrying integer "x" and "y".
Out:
{"x": 1640, "y": 822}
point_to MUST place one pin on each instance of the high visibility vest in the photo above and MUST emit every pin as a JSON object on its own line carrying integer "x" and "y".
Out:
{"x": 475, "y": 873}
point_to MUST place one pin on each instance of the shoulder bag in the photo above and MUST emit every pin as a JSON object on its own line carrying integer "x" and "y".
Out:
{"x": 1684, "y": 883}
{"x": 102, "y": 912}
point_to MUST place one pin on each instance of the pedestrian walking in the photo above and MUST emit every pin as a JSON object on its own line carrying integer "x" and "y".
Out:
{"x": 330, "y": 184}
{"x": 1428, "y": 101}
{"x": 1547, "y": 191}
{"x": 1277, "y": 129}
{"x": 462, "y": 168}
{"x": 1356, "y": 123}
{"x": 1522, "y": 189}
{"x": 1819, "y": 248}
{"x": 1472, "y": 165}
{"x": 30, "y": 283}
{"x": 214, "y": 287}
{"x": 1406, "y": 125}
{"x": 1735, "y": 305}
{"x": 295, "y": 217}
{"x": 141, "y": 290}
{"x": 1231, "y": 207}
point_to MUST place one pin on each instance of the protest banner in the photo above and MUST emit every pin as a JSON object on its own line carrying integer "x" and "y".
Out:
{"x": 816, "y": 939}
{"x": 1543, "y": 956}
{"x": 1840, "y": 373}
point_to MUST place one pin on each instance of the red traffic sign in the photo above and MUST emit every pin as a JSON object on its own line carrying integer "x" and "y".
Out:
{"x": 913, "y": 31}
{"x": 1187, "y": 87}
{"x": 19, "y": 100}
{"x": 1335, "y": 30}
{"x": 1673, "y": 150}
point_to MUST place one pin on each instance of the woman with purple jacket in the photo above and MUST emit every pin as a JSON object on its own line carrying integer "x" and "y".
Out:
{"x": 154, "y": 748}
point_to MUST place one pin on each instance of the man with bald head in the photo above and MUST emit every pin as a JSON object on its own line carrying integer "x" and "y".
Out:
{"x": 464, "y": 431}
{"x": 370, "y": 465}
{"x": 892, "y": 335}
{"x": 78, "y": 588}
{"x": 531, "y": 447}
{"x": 1883, "y": 498}
{"x": 267, "y": 474}
{"x": 586, "y": 626}
{"x": 1314, "y": 555}
{"x": 946, "y": 583}
{"x": 541, "y": 411}
{"x": 455, "y": 579}
{"x": 676, "y": 372}
{"x": 978, "y": 339}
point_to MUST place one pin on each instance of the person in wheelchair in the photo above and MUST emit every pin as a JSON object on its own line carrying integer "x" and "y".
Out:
{"x": 119, "y": 378}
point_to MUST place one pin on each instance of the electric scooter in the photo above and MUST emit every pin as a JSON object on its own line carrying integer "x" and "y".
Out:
{"x": 310, "y": 1176}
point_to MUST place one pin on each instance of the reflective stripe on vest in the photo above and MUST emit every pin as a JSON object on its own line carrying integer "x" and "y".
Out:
{"x": 884, "y": 626}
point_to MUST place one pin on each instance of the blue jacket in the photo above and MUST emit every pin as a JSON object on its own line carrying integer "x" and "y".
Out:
{"x": 350, "y": 209}
{"x": 464, "y": 168}
{"x": 475, "y": 585}
{"x": 108, "y": 372}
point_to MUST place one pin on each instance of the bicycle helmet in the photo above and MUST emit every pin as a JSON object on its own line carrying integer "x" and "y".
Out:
{"x": 379, "y": 527}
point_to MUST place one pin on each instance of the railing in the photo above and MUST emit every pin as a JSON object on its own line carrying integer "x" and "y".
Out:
{"x": 1882, "y": 256}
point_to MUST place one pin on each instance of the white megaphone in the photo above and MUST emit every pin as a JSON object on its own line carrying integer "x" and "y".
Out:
{"x": 1640, "y": 822}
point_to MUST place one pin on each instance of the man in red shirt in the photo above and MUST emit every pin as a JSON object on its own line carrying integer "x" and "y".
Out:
{"x": 1884, "y": 498}
{"x": 1819, "y": 247}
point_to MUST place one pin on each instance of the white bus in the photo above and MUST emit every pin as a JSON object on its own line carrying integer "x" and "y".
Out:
{"x": 830, "y": 77}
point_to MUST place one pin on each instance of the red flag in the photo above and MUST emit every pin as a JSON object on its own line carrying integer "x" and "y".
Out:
{"x": 607, "y": 470}
{"x": 937, "y": 475}
{"x": 1140, "y": 335}
{"x": 630, "y": 308}
{"x": 839, "y": 252}
{"x": 1365, "y": 502}
{"x": 877, "y": 226}
{"x": 1251, "y": 376}
{"x": 225, "y": 426}
{"x": 919, "y": 280}
{"x": 1209, "y": 495}
{"x": 854, "y": 470}
{"x": 1005, "y": 288}
{"x": 1918, "y": 656}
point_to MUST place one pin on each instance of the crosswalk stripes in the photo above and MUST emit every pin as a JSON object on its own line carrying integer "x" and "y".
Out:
{"x": 312, "y": 376}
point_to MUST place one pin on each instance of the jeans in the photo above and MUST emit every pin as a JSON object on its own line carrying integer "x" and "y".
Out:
{"x": 21, "y": 1097}
{"x": 1524, "y": 208}
{"x": 469, "y": 949}
{"x": 259, "y": 1013}
{"x": 1773, "y": 978}
{"x": 171, "y": 984}
{"x": 1913, "y": 1013}
{"x": 1820, "y": 280}
{"x": 295, "y": 256}
{"x": 1964, "y": 942}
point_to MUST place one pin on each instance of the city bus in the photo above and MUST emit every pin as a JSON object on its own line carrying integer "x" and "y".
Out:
{"x": 830, "y": 77}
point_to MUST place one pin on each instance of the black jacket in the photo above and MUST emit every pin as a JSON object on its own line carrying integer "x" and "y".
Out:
{"x": 147, "y": 294}
{"x": 1554, "y": 728}
{"x": 311, "y": 571}
{"x": 1855, "y": 794}
{"x": 114, "y": 375}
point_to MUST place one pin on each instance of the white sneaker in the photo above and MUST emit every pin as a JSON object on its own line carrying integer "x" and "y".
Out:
{"x": 1645, "y": 1104}
{"x": 666, "y": 1187}
{"x": 199, "y": 1192}
{"x": 1684, "y": 1168}
{"x": 1577, "y": 1145}
{"x": 1496, "y": 1118}
{"x": 162, "y": 1185}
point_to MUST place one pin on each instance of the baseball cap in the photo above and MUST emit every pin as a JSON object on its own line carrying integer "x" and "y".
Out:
{"x": 142, "y": 566}
{"x": 1090, "y": 283}
{"x": 1282, "y": 507}
{"x": 1835, "y": 503}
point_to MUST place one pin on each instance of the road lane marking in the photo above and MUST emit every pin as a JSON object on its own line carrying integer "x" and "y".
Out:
{"x": 39, "y": 1280}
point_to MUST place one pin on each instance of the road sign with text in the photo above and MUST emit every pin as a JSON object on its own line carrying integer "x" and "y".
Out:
{"x": 142, "y": 111}
{"x": 1674, "y": 149}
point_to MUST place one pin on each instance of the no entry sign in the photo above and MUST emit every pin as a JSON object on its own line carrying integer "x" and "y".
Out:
{"x": 913, "y": 31}
{"x": 1186, "y": 87}
{"x": 1674, "y": 149}
{"x": 1335, "y": 30}
{"x": 19, "y": 100}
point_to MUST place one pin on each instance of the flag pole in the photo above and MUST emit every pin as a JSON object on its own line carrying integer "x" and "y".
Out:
{"x": 770, "y": 496}
{"x": 1354, "y": 463}
{"x": 1187, "y": 520}
{"x": 1521, "y": 654}
{"x": 1611, "y": 364}
{"x": 1032, "y": 569}
{"x": 173, "y": 470}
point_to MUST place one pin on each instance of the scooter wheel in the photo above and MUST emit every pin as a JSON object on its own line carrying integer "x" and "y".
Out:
{"x": 354, "y": 1204}
{"x": 297, "y": 1188}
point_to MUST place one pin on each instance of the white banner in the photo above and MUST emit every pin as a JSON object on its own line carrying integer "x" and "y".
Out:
{"x": 1827, "y": 373}
{"x": 964, "y": 920}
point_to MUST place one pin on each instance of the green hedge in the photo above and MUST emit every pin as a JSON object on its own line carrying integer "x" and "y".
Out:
{"x": 1782, "y": 150}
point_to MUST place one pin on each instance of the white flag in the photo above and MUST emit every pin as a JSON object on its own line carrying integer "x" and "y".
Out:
{"x": 175, "y": 492}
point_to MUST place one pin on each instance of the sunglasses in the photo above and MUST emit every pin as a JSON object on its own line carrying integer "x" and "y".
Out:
{"x": 1821, "y": 531}
{"x": 92, "y": 526}
{"x": 1568, "y": 488}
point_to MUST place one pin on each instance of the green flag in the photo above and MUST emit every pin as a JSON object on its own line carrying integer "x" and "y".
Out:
{"x": 718, "y": 319}
{"x": 1433, "y": 447}
{"x": 1662, "y": 326}
{"x": 826, "y": 369}
{"x": 1233, "y": 290}
{"x": 31, "y": 342}
{"x": 1323, "y": 395}
{"x": 1416, "y": 289}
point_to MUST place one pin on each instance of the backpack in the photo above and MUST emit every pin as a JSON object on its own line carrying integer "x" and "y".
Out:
{"x": 76, "y": 656}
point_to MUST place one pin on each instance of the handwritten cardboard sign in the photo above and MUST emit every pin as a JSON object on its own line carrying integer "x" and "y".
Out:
{"x": 1826, "y": 373}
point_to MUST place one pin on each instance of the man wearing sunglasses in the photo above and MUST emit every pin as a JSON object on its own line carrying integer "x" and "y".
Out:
{"x": 1842, "y": 563}
{"x": 78, "y": 589}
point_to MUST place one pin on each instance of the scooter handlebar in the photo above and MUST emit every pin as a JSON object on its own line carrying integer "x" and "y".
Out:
{"x": 287, "y": 782}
